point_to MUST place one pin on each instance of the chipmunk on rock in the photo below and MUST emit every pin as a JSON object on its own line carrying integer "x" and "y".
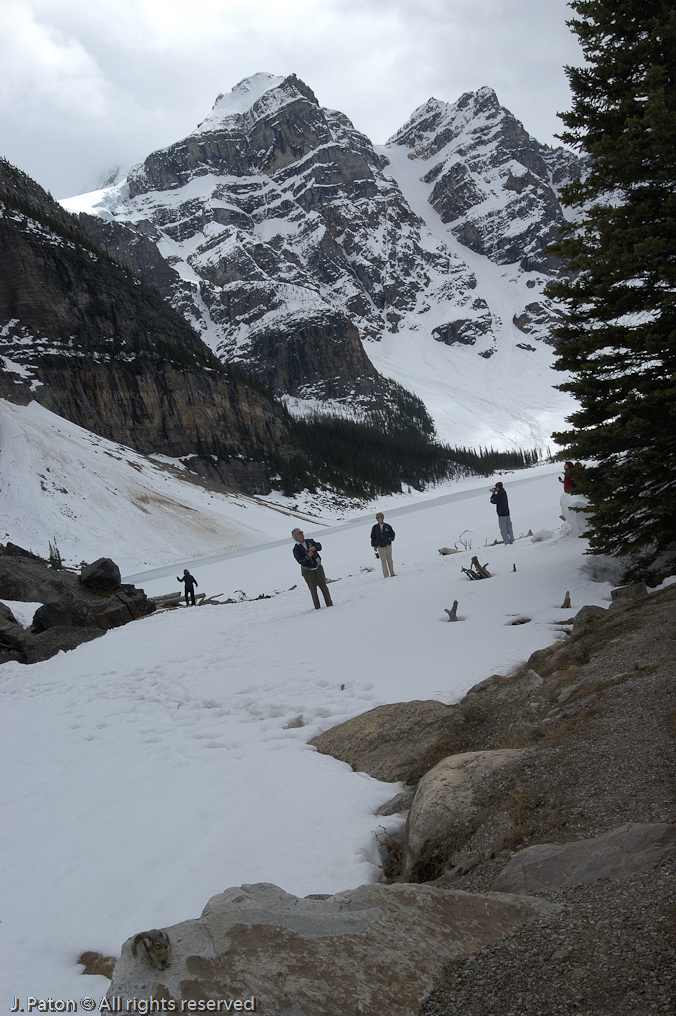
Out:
{"x": 156, "y": 946}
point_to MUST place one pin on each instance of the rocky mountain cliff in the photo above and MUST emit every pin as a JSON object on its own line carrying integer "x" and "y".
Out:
{"x": 92, "y": 343}
{"x": 494, "y": 187}
{"x": 298, "y": 250}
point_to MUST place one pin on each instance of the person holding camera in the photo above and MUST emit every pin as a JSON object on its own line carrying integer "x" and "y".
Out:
{"x": 382, "y": 536}
{"x": 499, "y": 499}
{"x": 306, "y": 552}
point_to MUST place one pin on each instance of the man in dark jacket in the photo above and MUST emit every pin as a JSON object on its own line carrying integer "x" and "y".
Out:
{"x": 499, "y": 499}
{"x": 306, "y": 552}
{"x": 382, "y": 536}
{"x": 190, "y": 583}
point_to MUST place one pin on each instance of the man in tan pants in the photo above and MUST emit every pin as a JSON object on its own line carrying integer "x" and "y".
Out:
{"x": 382, "y": 536}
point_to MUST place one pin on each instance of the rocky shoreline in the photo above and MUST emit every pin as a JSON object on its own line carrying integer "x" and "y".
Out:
{"x": 599, "y": 754}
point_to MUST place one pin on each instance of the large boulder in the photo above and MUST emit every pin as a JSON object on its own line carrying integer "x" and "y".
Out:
{"x": 127, "y": 604}
{"x": 12, "y": 637}
{"x": 587, "y": 615}
{"x": 376, "y": 949}
{"x": 386, "y": 742}
{"x": 631, "y": 848}
{"x": 444, "y": 804}
{"x": 48, "y": 643}
{"x": 31, "y": 580}
{"x": 103, "y": 576}
{"x": 66, "y": 613}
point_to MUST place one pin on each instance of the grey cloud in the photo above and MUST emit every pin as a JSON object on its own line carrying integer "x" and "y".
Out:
{"x": 106, "y": 83}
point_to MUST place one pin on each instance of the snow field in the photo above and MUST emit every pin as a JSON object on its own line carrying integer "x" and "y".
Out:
{"x": 168, "y": 760}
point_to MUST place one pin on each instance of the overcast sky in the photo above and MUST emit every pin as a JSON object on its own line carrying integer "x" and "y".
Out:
{"x": 87, "y": 85}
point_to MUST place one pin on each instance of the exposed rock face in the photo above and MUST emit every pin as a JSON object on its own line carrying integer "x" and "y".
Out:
{"x": 495, "y": 183}
{"x": 75, "y": 609}
{"x": 387, "y": 741}
{"x": 374, "y": 949}
{"x": 277, "y": 202}
{"x": 496, "y": 187}
{"x": 94, "y": 345}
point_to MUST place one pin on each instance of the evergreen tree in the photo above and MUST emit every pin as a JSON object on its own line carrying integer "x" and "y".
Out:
{"x": 618, "y": 332}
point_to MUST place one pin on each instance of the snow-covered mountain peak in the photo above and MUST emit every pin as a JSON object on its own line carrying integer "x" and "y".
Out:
{"x": 239, "y": 100}
{"x": 260, "y": 94}
{"x": 438, "y": 125}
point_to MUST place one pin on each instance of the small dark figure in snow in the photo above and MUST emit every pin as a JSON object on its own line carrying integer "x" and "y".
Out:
{"x": 382, "y": 536}
{"x": 190, "y": 583}
{"x": 499, "y": 499}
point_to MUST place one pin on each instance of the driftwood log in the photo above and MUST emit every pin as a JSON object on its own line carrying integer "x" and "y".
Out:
{"x": 476, "y": 570}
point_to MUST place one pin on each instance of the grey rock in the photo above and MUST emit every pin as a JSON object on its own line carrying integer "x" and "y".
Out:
{"x": 590, "y": 612}
{"x": 12, "y": 635}
{"x": 67, "y": 613}
{"x": 625, "y": 594}
{"x": 530, "y": 681}
{"x": 55, "y": 640}
{"x": 71, "y": 613}
{"x": 387, "y": 741}
{"x": 32, "y": 580}
{"x": 6, "y": 614}
{"x": 375, "y": 949}
{"x": 102, "y": 576}
{"x": 635, "y": 847}
{"x": 539, "y": 660}
{"x": 398, "y": 803}
{"x": 487, "y": 841}
{"x": 127, "y": 604}
{"x": 444, "y": 800}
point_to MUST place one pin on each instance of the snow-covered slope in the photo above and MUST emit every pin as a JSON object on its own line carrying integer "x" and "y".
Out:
{"x": 278, "y": 220}
{"x": 93, "y": 498}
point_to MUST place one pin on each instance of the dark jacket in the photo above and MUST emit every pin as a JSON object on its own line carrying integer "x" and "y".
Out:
{"x": 499, "y": 499}
{"x": 382, "y": 537}
{"x": 190, "y": 581}
{"x": 300, "y": 553}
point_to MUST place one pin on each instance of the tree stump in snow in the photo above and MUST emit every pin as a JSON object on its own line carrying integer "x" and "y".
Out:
{"x": 453, "y": 612}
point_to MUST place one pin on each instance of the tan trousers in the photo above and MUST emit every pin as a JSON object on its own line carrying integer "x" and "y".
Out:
{"x": 317, "y": 580}
{"x": 385, "y": 555}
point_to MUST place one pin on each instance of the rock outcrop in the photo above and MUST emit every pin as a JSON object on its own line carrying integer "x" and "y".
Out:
{"x": 75, "y": 609}
{"x": 386, "y": 742}
{"x": 491, "y": 180}
{"x": 375, "y": 949}
{"x": 635, "y": 847}
{"x": 92, "y": 343}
